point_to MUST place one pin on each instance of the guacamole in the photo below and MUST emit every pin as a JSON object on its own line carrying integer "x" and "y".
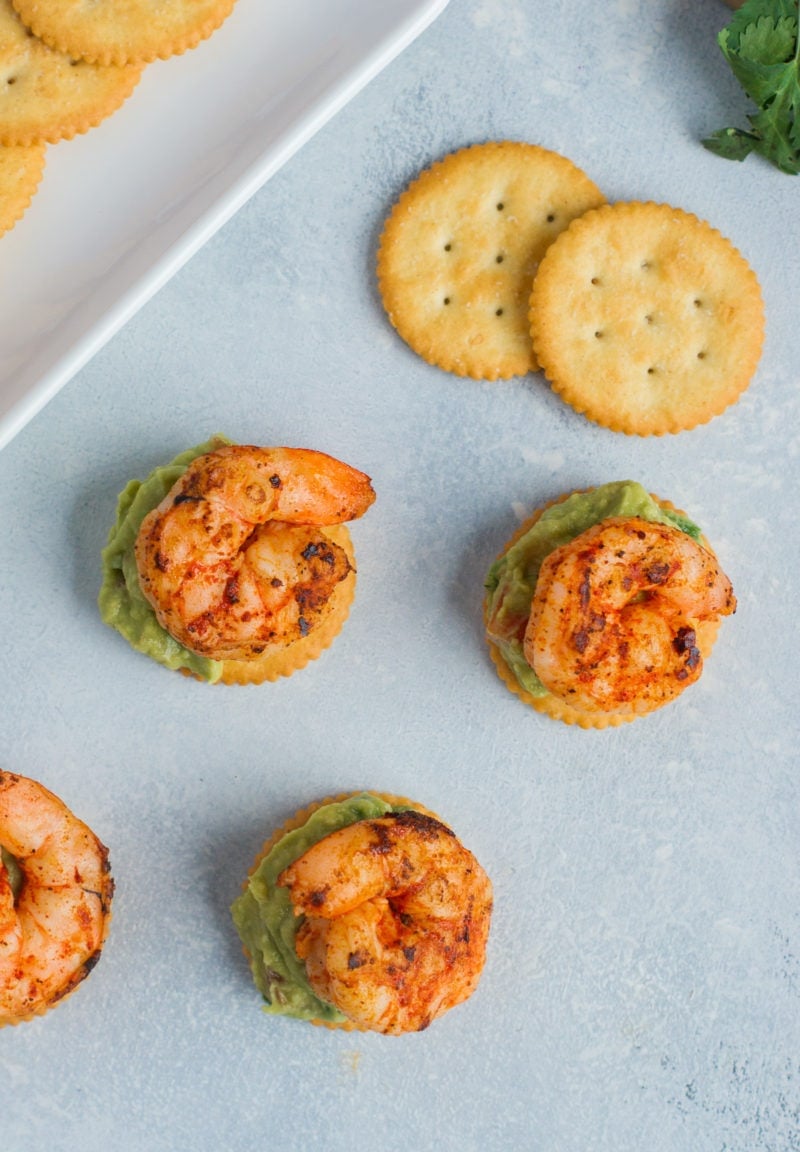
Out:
{"x": 122, "y": 605}
{"x": 512, "y": 579}
{"x": 15, "y": 875}
{"x": 266, "y": 924}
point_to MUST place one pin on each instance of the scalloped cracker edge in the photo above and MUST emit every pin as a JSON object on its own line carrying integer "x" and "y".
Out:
{"x": 123, "y": 31}
{"x": 460, "y": 248}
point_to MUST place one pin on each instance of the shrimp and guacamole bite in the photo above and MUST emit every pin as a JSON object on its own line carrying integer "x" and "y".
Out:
{"x": 603, "y": 605}
{"x": 55, "y": 899}
{"x": 233, "y": 563}
{"x": 365, "y": 912}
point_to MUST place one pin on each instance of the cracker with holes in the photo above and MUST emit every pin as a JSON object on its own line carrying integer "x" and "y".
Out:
{"x": 646, "y": 319}
{"x": 123, "y": 31}
{"x": 47, "y": 96}
{"x": 20, "y": 173}
{"x": 460, "y": 249}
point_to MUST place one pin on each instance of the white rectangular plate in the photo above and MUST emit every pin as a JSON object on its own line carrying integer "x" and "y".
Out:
{"x": 123, "y": 207}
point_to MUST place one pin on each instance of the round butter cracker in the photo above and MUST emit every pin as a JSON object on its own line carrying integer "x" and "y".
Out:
{"x": 460, "y": 249}
{"x": 646, "y": 319}
{"x": 46, "y": 95}
{"x": 123, "y": 31}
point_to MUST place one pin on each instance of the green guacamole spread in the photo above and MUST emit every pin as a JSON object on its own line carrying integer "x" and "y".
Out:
{"x": 512, "y": 579}
{"x": 13, "y": 871}
{"x": 121, "y": 602}
{"x": 267, "y": 925}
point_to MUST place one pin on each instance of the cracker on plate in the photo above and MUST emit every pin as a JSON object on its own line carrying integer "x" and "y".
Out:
{"x": 49, "y": 96}
{"x": 646, "y": 319}
{"x": 122, "y": 31}
{"x": 460, "y": 249}
{"x": 20, "y": 172}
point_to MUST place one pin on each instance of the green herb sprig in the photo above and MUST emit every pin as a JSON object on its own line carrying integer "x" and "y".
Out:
{"x": 762, "y": 45}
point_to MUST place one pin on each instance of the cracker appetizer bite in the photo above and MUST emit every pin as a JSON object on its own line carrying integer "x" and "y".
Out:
{"x": 603, "y": 605}
{"x": 365, "y": 913}
{"x": 233, "y": 562}
{"x": 55, "y": 899}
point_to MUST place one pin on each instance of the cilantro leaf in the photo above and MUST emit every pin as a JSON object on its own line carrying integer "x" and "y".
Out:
{"x": 762, "y": 45}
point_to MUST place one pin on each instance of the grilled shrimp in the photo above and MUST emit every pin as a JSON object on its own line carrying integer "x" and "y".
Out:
{"x": 234, "y": 559}
{"x": 55, "y": 899}
{"x": 614, "y": 614}
{"x": 397, "y": 918}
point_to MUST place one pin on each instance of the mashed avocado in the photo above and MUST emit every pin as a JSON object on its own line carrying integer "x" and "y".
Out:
{"x": 266, "y": 924}
{"x": 121, "y": 602}
{"x": 512, "y": 579}
{"x": 15, "y": 875}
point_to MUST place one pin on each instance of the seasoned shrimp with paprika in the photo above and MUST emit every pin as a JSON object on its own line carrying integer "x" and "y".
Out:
{"x": 615, "y": 612}
{"x": 235, "y": 559}
{"x": 55, "y": 899}
{"x": 397, "y": 914}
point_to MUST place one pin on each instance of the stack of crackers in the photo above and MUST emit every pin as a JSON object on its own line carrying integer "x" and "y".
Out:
{"x": 64, "y": 67}
{"x": 504, "y": 258}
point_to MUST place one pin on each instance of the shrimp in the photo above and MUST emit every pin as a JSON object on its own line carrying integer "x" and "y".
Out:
{"x": 614, "y": 615}
{"x": 55, "y": 899}
{"x": 234, "y": 560}
{"x": 397, "y": 918}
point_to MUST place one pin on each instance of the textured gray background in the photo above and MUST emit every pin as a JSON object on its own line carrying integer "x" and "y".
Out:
{"x": 642, "y": 985}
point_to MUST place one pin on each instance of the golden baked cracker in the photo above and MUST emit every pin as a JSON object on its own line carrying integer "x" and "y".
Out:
{"x": 460, "y": 249}
{"x": 47, "y": 96}
{"x": 646, "y": 319}
{"x": 283, "y": 661}
{"x": 554, "y": 706}
{"x": 123, "y": 31}
{"x": 21, "y": 170}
